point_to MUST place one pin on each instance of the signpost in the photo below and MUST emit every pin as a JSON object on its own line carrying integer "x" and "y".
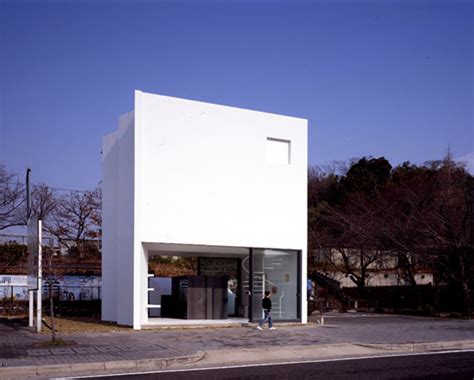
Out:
{"x": 34, "y": 268}
{"x": 33, "y": 251}
{"x": 34, "y": 283}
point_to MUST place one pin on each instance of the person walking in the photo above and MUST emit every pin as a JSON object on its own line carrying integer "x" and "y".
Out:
{"x": 267, "y": 312}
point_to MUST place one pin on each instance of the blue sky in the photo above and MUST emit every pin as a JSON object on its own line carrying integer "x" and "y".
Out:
{"x": 391, "y": 78}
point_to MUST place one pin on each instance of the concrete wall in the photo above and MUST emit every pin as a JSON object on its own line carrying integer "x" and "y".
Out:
{"x": 198, "y": 173}
{"x": 206, "y": 179}
{"x": 118, "y": 222}
{"x": 109, "y": 226}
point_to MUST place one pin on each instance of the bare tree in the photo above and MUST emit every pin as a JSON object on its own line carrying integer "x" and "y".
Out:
{"x": 411, "y": 218}
{"x": 424, "y": 217}
{"x": 447, "y": 224}
{"x": 351, "y": 246}
{"x": 95, "y": 230}
{"x": 339, "y": 216}
{"x": 12, "y": 200}
{"x": 43, "y": 201}
{"x": 320, "y": 183}
{"x": 48, "y": 257}
{"x": 76, "y": 219}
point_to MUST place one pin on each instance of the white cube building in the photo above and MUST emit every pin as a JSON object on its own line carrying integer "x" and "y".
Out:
{"x": 187, "y": 178}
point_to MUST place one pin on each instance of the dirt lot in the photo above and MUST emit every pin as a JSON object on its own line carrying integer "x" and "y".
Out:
{"x": 71, "y": 325}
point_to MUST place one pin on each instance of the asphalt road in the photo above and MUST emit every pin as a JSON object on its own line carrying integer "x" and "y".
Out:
{"x": 459, "y": 365}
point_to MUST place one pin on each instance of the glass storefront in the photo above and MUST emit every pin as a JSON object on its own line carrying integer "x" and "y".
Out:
{"x": 249, "y": 273}
{"x": 275, "y": 271}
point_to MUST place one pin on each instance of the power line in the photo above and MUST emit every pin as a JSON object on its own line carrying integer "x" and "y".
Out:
{"x": 52, "y": 187}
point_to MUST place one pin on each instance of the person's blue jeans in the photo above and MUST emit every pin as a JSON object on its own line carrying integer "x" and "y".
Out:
{"x": 267, "y": 316}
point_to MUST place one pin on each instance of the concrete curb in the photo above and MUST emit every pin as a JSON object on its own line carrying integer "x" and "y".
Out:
{"x": 253, "y": 355}
{"x": 421, "y": 347}
{"x": 98, "y": 368}
{"x": 223, "y": 326}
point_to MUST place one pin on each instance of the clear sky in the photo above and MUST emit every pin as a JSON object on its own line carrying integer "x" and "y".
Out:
{"x": 391, "y": 78}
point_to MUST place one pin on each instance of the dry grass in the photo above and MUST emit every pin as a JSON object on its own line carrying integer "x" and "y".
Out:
{"x": 74, "y": 325}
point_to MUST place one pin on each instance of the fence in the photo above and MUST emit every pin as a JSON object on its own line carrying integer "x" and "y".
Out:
{"x": 65, "y": 288}
{"x": 23, "y": 240}
{"x": 61, "y": 246}
{"x": 73, "y": 293}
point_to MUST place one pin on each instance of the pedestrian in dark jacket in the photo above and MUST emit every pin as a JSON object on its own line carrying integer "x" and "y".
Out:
{"x": 267, "y": 312}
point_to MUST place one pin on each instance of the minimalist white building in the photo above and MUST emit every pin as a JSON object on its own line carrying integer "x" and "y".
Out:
{"x": 187, "y": 178}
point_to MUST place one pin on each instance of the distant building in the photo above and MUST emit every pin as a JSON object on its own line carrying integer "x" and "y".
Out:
{"x": 384, "y": 271}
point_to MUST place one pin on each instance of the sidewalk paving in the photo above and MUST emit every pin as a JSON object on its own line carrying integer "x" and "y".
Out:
{"x": 342, "y": 335}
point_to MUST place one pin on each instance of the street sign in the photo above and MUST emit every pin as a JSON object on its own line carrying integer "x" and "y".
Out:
{"x": 34, "y": 241}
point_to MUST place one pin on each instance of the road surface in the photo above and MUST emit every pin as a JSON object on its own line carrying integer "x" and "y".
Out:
{"x": 448, "y": 365}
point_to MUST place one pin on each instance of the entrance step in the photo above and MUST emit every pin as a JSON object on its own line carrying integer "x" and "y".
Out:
{"x": 171, "y": 323}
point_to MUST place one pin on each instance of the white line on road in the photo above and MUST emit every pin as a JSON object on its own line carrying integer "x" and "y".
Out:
{"x": 265, "y": 364}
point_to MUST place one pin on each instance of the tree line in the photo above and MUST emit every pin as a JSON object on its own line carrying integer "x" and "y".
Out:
{"x": 365, "y": 213}
{"x": 361, "y": 215}
{"x": 72, "y": 217}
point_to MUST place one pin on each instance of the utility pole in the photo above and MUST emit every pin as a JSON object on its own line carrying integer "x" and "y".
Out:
{"x": 31, "y": 294}
{"x": 28, "y": 194}
{"x": 39, "y": 293}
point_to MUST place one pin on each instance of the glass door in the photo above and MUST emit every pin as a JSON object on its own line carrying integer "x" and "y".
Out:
{"x": 258, "y": 285}
{"x": 276, "y": 271}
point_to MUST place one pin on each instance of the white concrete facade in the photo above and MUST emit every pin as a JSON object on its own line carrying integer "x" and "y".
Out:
{"x": 197, "y": 174}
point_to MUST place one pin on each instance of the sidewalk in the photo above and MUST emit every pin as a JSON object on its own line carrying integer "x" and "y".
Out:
{"x": 343, "y": 335}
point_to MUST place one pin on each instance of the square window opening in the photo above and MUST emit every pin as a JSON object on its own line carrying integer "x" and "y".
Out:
{"x": 278, "y": 151}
